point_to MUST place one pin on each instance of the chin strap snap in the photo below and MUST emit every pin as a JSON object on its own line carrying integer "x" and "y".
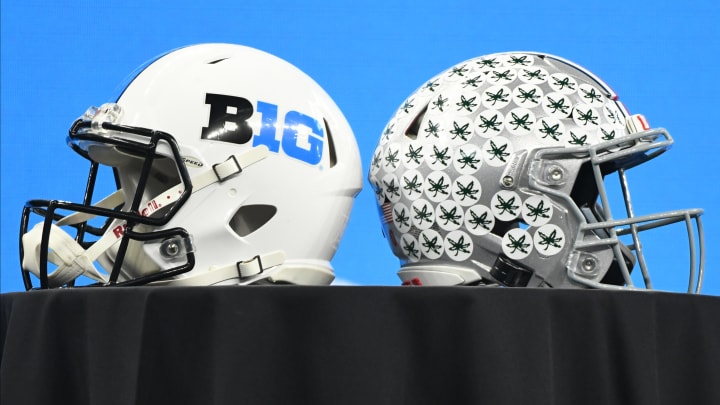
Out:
{"x": 72, "y": 260}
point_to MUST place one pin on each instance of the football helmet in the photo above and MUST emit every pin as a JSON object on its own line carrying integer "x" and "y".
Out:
{"x": 231, "y": 166}
{"x": 493, "y": 172}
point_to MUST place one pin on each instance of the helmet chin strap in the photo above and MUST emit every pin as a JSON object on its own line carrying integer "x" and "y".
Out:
{"x": 72, "y": 260}
{"x": 246, "y": 271}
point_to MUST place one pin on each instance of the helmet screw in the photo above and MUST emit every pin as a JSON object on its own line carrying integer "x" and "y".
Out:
{"x": 588, "y": 265}
{"x": 556, "y": 173}
{"x": 508, "y": 181}
{"x": 170, "y": 248}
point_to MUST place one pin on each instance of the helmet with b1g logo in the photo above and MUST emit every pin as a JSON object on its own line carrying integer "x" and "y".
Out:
{"x": 232, "y": 167}
{"x": 493, "y": 173}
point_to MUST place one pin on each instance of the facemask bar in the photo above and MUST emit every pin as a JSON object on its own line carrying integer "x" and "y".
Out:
{"x": 48, "y": 209}
{"x": 91, "y": 129}
{"x": 650, "y": 144}
{"x": 94, "y": 127}
{"x": 618, "y": 155}
{"x": 633, "y": 226}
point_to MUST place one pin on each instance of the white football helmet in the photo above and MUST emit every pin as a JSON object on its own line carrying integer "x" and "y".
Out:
{"x": 232, "y": 167}
{"x": 493, "y": 173}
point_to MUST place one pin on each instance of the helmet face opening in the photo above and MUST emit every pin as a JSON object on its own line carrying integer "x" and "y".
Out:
{"x": 129, "y": 216}
{"x": 493, "y": 172}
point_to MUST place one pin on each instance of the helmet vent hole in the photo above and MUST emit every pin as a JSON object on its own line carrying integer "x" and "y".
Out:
{"x": 331, "y": 144}
{"x": 250, "y": 218}
{"x": 414, "y": 127}
{"x": 216, "y": 61}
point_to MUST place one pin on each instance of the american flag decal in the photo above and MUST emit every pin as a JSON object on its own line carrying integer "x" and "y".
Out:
{"x": 388, "y": 219}
{"x": 387, "y": 213}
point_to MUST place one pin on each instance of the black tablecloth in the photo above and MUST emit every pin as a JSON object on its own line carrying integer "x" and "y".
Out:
{"x": 358, "y": 345}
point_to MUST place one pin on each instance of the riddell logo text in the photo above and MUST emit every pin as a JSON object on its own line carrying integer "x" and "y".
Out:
{"x": 302, "y": 136}
{"x": 119, "y": 231}
{"x": 150, "y": 208}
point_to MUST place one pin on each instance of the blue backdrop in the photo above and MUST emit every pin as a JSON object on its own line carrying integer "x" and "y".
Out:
{"x": 660, "y": 56}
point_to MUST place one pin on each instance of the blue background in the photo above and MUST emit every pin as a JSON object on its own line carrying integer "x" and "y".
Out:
{"x": 661, "y": 57}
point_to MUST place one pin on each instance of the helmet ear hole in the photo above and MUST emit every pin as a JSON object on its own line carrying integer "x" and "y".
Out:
{"x": 585, "y": 191}
{"x": 250, "y": 218}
